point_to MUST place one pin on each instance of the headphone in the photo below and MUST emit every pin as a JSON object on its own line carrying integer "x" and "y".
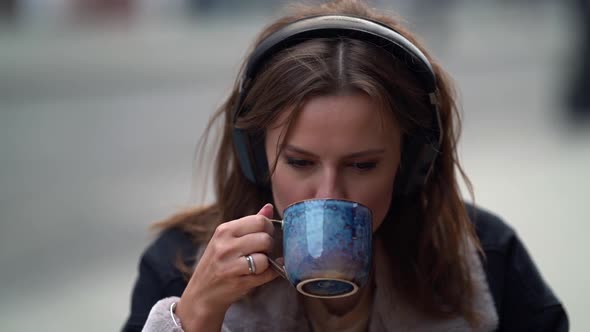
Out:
{"x": 419, "y": 151}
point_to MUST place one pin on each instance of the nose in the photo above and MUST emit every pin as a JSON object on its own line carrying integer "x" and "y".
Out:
{"x": 330, "y": 185}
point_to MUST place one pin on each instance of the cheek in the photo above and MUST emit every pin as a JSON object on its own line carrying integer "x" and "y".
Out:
{"x": 286, "y": 190}
{"x": 379, "y": 202}
{"x": 378, "y": 198}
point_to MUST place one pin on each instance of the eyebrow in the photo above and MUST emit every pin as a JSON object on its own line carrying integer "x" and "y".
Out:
{"x": 364, "y": 153}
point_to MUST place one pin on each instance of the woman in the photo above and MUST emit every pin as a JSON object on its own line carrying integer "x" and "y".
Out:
{"x": 339, "y": 101}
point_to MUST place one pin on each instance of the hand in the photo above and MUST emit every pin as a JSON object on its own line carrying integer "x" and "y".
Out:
{"x": 222, "y": 275}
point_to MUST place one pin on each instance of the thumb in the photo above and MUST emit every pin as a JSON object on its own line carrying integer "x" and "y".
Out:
{"x": 267, "y": 211}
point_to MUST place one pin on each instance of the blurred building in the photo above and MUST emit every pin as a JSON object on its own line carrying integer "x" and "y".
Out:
{"x": 103, "y": 8}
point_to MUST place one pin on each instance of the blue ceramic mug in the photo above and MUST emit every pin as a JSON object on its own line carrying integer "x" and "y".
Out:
{"x": 327, "y": 246}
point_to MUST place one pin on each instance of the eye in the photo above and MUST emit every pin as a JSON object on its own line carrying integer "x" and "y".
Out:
{"x": 299, "y": 163}
{"x": 364, "y": 166}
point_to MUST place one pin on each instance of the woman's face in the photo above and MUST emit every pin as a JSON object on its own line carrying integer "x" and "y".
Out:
{"x": 338, "y": 147}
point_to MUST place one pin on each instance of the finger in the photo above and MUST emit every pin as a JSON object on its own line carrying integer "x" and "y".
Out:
{"x": 254, "y": 242}
{"x": 251, "y": 224}
{"x": 259, "y": 264}
{"x": 280, "y": 260}
{"x": 253, "y": 281}
{"x": 267, "y": 210}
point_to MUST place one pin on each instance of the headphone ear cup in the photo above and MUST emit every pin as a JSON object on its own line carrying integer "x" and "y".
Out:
{"x": 251, "y": 154}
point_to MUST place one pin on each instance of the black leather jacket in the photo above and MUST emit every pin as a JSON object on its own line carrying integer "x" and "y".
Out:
{"x": 524, "y": 302}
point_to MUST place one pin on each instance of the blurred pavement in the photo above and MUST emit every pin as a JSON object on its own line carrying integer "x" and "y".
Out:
{"x": 98, "y": 128}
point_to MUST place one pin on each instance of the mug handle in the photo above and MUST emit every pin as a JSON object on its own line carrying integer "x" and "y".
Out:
{"x": 274, "y": 264}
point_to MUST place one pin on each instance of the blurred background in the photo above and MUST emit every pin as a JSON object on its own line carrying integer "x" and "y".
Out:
{"x": 102, "y": 103}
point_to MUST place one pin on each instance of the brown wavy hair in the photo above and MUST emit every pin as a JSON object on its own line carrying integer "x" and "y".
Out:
{"x": 427, "y": 234}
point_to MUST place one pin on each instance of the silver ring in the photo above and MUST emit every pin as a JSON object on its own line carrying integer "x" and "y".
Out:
{"x": 251, "y": 265}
